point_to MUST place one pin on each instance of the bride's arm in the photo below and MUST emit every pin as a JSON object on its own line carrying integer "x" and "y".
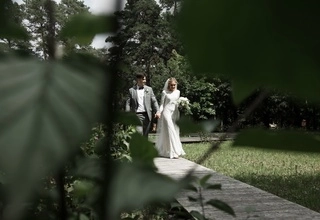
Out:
{"x": 177, "y": 94}
{"x": 163, "y": 96}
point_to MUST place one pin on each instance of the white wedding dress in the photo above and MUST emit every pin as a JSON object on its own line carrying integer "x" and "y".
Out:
{"x": 168, "y": 141}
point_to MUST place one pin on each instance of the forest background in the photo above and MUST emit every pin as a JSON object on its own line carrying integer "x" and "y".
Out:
{"x": 148, "y": 42}
{"x": 56, "y": 162}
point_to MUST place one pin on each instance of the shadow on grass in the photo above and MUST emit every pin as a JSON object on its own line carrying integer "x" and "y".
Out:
{"x": 301, "y": 189}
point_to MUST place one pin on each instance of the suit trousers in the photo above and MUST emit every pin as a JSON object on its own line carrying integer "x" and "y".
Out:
{"x": 145, "y": 122}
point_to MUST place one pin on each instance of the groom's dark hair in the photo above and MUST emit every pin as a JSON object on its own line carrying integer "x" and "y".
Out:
{"x": 140, "y": 75}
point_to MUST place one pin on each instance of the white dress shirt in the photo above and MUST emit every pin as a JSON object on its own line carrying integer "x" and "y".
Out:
{"x": 140, "y": 94}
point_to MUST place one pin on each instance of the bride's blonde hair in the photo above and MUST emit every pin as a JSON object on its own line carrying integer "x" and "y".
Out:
{"x": 170, "y": 80}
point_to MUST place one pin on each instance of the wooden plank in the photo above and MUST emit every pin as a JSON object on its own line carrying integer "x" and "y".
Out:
{"x": 247, "y": 201}
{"x": 195, "y": 138}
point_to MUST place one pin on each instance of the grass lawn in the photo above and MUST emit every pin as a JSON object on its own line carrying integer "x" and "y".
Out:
{"x": 293, "y": 176}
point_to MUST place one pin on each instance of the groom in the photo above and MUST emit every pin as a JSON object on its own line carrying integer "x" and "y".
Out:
{"x": 143, "y": 102}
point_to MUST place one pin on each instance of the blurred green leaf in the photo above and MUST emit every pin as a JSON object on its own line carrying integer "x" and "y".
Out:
{"x": 83, "y": 217}
{"x": 197, "y": 215}
{"x": 82, "y": 188}
{"x": 204, "y": 179}
{"x": 48, "y": 109}
{"x": 128, "y": 118}
{"x": 135, "y": 186}
{"x": 255, "y": 44}
{"x": 13, "y": 31}
{"x": 221, "y": 205}
{"x": 175, "y": 205}
{"x": 83, "y": 27}
{"x": 209, "y": 125}
{"x": 188, "y": 126}
{"x": 142, "y": 150}
{"x": 279, "y": 140}
{"x": 241, "y": 90}
{"x": 192, "y": 188}
{"x": 88, "y": 168}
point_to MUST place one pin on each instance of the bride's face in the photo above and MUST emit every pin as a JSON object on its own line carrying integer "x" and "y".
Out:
{"x": 172, "y": 85}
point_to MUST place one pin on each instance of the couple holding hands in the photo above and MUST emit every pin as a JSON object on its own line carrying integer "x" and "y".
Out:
{"x": 143, "y": 102}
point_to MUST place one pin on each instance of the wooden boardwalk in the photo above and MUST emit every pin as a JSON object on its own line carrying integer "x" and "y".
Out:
{"x": 195, "y": 138}
{"x": 247, "y": 201}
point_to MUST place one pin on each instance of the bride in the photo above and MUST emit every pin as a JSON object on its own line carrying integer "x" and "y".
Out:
{"x": 168, "y": 141}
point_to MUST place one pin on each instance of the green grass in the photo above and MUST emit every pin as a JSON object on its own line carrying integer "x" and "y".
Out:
{"x": 289, "y": 175}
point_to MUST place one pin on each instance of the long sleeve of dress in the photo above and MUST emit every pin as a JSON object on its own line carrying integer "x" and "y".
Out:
{"x": 163, "y": 96}
{"x": 176, "y": 113}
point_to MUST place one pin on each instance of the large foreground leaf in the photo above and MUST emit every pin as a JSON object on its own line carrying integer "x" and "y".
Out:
{"x": 142, "y": 150}
{"x": 128, "y": 118}
{"x": 265, "y": 43}
{"x": 13, "y": 31}
{"x": 47, "y": 110}
{"x": 221, "y": 205}
{"x": 189, "y": 126}
{"x": 279, "y": 140}
{"x": 197, "y": 215}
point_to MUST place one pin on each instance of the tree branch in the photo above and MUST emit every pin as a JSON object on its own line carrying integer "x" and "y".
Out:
{"x": 50, "y": 41}
{"x": 60, "y": 181}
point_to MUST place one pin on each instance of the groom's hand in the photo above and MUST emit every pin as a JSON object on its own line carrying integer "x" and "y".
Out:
{"x": 154, "y": 127}
{"x": 157, "y": 115}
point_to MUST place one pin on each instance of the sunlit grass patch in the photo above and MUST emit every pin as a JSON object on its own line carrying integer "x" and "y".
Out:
{"x": 290, "y": 175}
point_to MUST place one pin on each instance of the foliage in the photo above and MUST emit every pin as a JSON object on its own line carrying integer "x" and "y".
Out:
{"x": 67, "y": 10}
{"x": 81, "y": 27}
{"x": 138, "y": 39}
{"x": 265, "y": 52}
{"x": 97, "y": 135}
{"x": 201, "y": 185}
{"x": 286, "y": 111}
{"x": 35, "y": 14}
{"x": 201, "y": 93}
{"x": 208, "y": 97}
{"x": 120, "y": 149}
{"x": 51, "y": 104}
{"x": 12, "y": 32}
{"x": 121, "y": 143}
{"x": 212, "y": 98}
{"x": 144, "y": 43}
{"x": 255, "y": 57}
{"x": 159, "y": 211}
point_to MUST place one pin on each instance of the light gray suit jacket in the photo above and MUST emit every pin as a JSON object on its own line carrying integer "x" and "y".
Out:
{"x": 150, "y": 101}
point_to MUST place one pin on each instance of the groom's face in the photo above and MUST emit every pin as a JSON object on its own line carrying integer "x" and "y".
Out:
{"x": 142, "y": 81}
